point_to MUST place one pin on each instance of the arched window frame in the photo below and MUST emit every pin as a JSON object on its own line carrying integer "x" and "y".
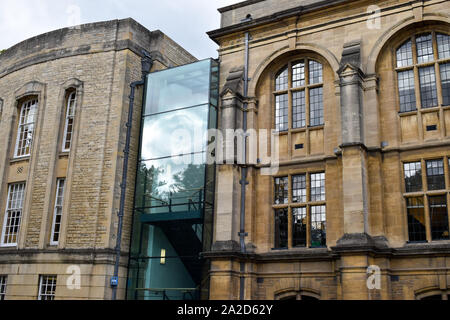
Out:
{"x": 69, "y": 119}
{"x": 413, "y": 72}
{"x": 291, "y": 104}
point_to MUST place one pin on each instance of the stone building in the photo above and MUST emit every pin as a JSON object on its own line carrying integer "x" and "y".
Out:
{"x": 64, "y": 101}
{"x": 360, "y": 97}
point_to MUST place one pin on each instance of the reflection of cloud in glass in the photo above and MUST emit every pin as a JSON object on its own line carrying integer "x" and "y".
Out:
{"x": 175, "y": 133}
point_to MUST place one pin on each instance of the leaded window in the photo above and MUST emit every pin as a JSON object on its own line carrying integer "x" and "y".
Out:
{"x": 299, "y": 93}
{"x": 413, "y": 176}
{"x": 435, "y": 175}
{"x": 305, "y": 204}
{"x": 418, "y": 67}
{"x": 3, "y": 283}
{"x": 438, "y": 217}
{"x": 416, "y": 219}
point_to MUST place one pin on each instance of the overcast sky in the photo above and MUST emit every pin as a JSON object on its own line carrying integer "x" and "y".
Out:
{"x": 185, "y": 21}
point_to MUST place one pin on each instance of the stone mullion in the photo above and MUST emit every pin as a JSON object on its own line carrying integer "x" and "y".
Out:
{"x": 290, "y": 219}
{"x": 417, "y": 88}
{"x": 290, "y": 119}
{"x": 425, "y": 200}
{"x": 308, "y": 210}
{"x": 307, "y": 109}
{"x": 447, "y": 185}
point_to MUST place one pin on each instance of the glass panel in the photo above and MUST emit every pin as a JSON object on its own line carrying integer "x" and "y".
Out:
{"x": 298, "y": 74}
{"x": 3, "y": 280}
{"x": 179, "y": 87}
{"x": 171, "y": 185}
{"x": 299, "y": 188}
{"x": 443, "y": 42}
{"x": 299, "y": 221}
{"x": 175, "y": 133}
{"x": 428, "y": 90}
{"x": 413, "y": 176}
{"x": 281, "y": 190}
{"x": 406, "y": 89}
{"x": 424, "y": 45}
{"x": 404, "y": 55}
{"x": 281, "y": 228}
{"x": 316, "y": 106}
{"x": 416, "y": 219}
{"x": 435, "y": 175}
{"x": 281, "y": 82}
{"x": 318, "y": 187}
{"x": 298, "y": 109}
{"x": 445, "y": 81}
{"x": 315, "y": 72}
{"x": 439, "y": 218}
{"x": 281, "y": 113}
{"x": 318, "y": 226}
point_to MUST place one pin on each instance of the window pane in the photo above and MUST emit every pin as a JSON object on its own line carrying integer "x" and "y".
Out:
{"x": 299, "y": 221}
{"x": 413, "y": 176}
{"x": 316, "y": 106}
{"x": 47, "y": 288}
{"x": 68, "y": 128}
{"x": 435, "y": 175}
{"x": 404, "y": 55}
{"x": 299, "y": 188}
{"x": 428, "y": 90}
{"x": 298, "y": 109}
{"x": 318, "y": 226}
{"x": 315, "y": 72}
{"x": 439, "y": 218}
{"x": 318, "y": 187}
{"x": 416, "y": 219}
{"x": 406, "y": 89}
{"x": 298, "y": 74}
{"x": 281, "y": 82}
{"x": 57, "y": 215}
{"x": 281, "y": 228}
{"x": 281, "y": 190}
{"x": 281, "y": 113}
{"x": 443, "y": 42}
{"x": 445, "y": 81}
{"x": 175, "y": 133}
{"x": 424, "y": 45}
{"x": 25, "y": 129}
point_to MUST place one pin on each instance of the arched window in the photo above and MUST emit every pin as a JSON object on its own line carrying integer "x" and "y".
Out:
{"x": 25, "y": 129}
{"x": 70, "y": 102}
{"x": 299, "y": 95}
{"x": 423, "y": 72}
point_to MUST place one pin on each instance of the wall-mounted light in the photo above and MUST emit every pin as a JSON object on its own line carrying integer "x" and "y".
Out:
{"x": 163, "y": 256}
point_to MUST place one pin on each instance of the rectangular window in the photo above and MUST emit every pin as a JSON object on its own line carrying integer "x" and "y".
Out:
{"x": 298, "y": 74}
{"x": 281, "y": 113}
{"x": 25, "y": 130}
{"x": 281, "y": 228}
{"x": 3, "y": 282}
{"x": 13, "y": 214}
{"x": 318, "y": 226}
{"x": 298, "y": 109}
{"x": 281, "y": 82}
{"x": 299, "y": 222}
{"x": 47, "y": 287}
{"x": 318, "y": 187}
{"x": 428, "y": 91}
{"x": 424, "y": 45}
{"x": 439, "y": 218}
{"x": 70, "y": 117}
{"x": 57, "y": 214}
{"x": 416, "y": 219}
{"x": 413, "y": 176}
{"x": 445, "y": 80}
{"x": 299, "y": 188}
{"x": 435, "y": 175}
{"x": 407, "y": 91}
{"x": 404, "y": 55}
{"x": 316, "y": 106}
{"x": 281, "y": 190}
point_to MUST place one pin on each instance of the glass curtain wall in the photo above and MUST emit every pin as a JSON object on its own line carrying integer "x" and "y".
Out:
{"x": 174, "y": 196}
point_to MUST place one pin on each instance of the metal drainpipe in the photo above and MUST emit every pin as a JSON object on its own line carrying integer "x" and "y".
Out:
{"x": 147, "y": 63}
{"x": 244, "y": 171}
